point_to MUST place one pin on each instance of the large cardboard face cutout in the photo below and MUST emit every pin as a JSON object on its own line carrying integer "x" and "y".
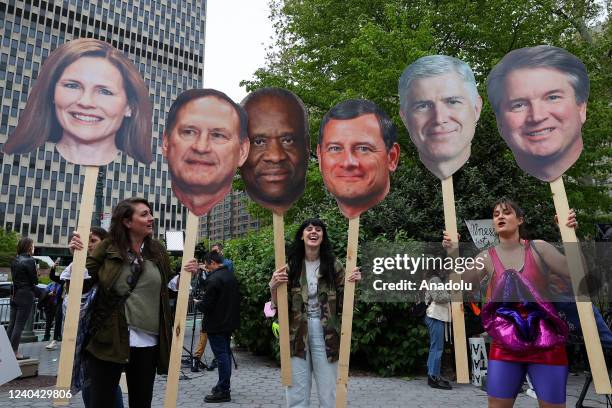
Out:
{"x": 204, "y": 143}
{"x": 275, "y": 171}
{"x": 357, "y": 151}
{"x": 539, "y": 96}
{"x": 440, "y": 106}
{"x": 89, "y": 99}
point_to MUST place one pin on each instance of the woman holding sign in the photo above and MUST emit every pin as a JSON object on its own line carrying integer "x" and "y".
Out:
{"x": 131, "y": 319}
{"x": 528, "y": 335}
{"x": 316, "y": 287}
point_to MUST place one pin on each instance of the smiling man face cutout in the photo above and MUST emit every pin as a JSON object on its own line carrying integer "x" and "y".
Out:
{"x": 357, "y": 150}
{"x": 440, "y": 106}
{"x": 204, "y": 142}
{"x": 539, "y": 95}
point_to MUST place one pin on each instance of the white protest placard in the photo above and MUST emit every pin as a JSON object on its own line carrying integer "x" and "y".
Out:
{"x": 175, "y": 241}
{"x": 478, "y": 353}
{"x": 9, "y": 368}
{"x": 105, "y": 221}
{"x": 482, "y": 232}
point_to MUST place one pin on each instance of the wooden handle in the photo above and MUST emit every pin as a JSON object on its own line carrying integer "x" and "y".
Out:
{"x": 347, "y": 314}
{"x": 585, "y": 309}
{"x": 180, "y": 316}
{"x": 71, "y": 319}
{"x": 450, "y": 224}
{"x": 281, "y": 299}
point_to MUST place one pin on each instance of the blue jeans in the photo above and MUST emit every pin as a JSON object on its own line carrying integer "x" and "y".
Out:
{"x": 298, "y": 395}
{"x": 436, "y": 345}
{"x": 220, "y": 345}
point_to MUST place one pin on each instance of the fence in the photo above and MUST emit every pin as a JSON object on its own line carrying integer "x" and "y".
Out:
{"x": 39, "y": 320}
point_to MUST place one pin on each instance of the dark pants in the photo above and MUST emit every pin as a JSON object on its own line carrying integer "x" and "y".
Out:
{"x": 21, "y": 307}
{"x": 140, "y": 375}
{"x": 87, "y": 397}
{"x": 59, "y": 317}
{"x": 220, "y": 345}
{"x": 50, "y": 311}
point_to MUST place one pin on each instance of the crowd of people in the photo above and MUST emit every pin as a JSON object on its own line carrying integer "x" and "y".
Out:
{"x": 131, "y": 318}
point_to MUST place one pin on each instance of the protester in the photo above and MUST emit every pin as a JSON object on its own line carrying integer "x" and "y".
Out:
{"x": 131, "y": 322}
{"x": 196, "y": 362}
{"x": 221, "y": 309}
{"x": 436, "y": 318}
{"x": 511, "y": 357}
{"x": 316, "y": 286}
{"x": 96, "y": 236}
{"x": 54, "y": 309}
{"x": 49, "y": 307}
{"x": 25, "y": 278}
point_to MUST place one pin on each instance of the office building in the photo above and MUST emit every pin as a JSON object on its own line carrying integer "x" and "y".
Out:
{"x": 39, "y": 194}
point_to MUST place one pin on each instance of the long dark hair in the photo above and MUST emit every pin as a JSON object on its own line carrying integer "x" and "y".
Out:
{"x": 120, "y": 235}
{"x": 504, "y": 203}
{"x": 297, "y": 252}
{"x": 24, "y": 246}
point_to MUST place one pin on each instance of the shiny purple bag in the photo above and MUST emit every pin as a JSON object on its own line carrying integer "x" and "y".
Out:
{"x": 541, "y": 329}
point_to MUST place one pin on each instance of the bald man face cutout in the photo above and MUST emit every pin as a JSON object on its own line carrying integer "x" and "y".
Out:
{"x": 275, "y": 171}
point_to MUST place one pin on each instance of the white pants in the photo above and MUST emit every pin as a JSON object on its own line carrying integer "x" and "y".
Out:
{"x": 298, "y": 395}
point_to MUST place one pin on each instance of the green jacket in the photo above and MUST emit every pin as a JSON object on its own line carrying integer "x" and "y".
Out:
{"x": 112, "y": 341}
{"x": 330, "y": 300}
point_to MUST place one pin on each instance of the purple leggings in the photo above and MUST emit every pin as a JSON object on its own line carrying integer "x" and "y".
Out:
{"x": 504, "y": 380}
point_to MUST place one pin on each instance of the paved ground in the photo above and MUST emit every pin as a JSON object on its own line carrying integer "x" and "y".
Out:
{"x": 256, "y": 383}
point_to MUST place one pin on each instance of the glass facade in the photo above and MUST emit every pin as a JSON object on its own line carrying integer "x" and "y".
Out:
{"x": 40, "y": 191}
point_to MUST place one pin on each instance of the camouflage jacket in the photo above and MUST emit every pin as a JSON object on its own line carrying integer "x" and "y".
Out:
{"x": 330, "y": 300}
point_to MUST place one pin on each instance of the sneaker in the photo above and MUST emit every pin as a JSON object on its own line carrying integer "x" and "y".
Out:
{"x": 195, "y": 365}
{"x": 52, "y": 345}
{"x": 218, "y": 396}
{"x": 439, "y": 383}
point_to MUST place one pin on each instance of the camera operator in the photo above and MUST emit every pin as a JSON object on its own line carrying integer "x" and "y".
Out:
{"x": 196, "y": 362}
{"x": 221, "y": 308}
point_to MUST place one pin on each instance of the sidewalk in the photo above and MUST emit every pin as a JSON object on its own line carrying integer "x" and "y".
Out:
{"x": 256, "y": 383}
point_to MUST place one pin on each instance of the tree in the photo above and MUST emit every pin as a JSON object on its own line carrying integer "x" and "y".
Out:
{"x": 8, "y": 246}
{"x": 330, "y": 51}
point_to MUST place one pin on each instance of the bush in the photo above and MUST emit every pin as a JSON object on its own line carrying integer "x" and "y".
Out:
{"x": 6, "y": 258}
{"x": 385, "y": 340}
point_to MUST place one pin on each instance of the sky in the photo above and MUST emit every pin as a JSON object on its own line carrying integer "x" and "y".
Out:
{"x": 238, "y": 34}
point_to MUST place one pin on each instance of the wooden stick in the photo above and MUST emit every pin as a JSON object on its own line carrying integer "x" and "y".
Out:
{"x": 180, "y": 316}
{"x": 347, "y": 314}
{"x": 281, "y": 299}
{"x": 585, "y": 309}
{"x": 71, "y": 320}
{"x": 450, "y": 224}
